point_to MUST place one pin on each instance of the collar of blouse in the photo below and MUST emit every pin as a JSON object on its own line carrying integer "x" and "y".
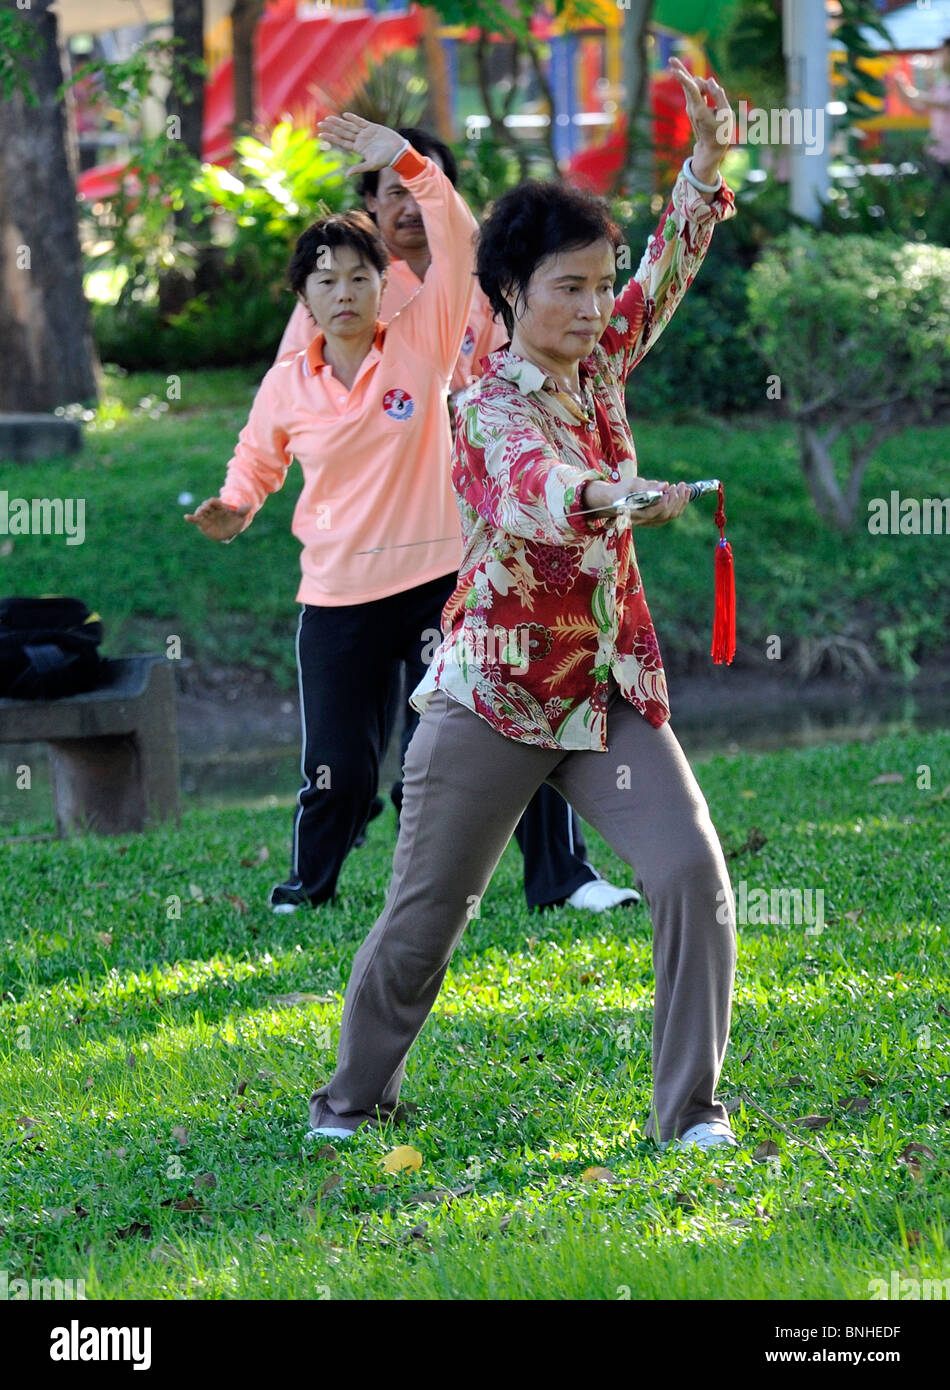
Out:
{"x": 528, "y": 377}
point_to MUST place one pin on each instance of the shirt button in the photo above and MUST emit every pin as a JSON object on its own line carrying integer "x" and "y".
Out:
{"x": 615, "y": 475}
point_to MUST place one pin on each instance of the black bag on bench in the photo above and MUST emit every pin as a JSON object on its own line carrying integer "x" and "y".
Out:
{"x": 49, "y": 647}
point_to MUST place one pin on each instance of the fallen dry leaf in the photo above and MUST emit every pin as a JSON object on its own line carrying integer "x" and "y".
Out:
{"x": 404, "y": 1156}
{"x": 767, "y": 1149}
{"x": 855, "y": 1104}
{"x": 239, "y": 903}
{"x": 104, "y": 938}
{"x": 241, "y": 1087}
{"x": 181, "y": 1134}
{"x": 433, "y": 1198}
{"x": 26, "y": 1123}
{"x": 753, "y": 842}
{"x": 886, "y": 778}
{"x": 326, "y": 1151}
{"x": 909, "y": 1151}
{"x": 328, "y": 1184}
{"x": 794, "y": 1081}
{"x": 813, "y": 1121}
{"x": 188, "y": 1203}
{"x": 596, "y": 1174}
{"x": 205, "y": 1182}
{"x": 913, "y": 1239}
{"x": 134, "y": 1228}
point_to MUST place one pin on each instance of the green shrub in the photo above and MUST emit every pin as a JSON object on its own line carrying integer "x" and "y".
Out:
{"x": 857, "y": 331}
{"x": 908, "y": 203}
{"x": 704, "y": 359}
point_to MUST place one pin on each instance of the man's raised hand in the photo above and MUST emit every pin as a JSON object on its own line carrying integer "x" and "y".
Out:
{"x": 376, "y": 145}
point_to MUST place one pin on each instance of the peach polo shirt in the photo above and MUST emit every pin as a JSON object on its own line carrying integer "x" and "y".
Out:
{"x": 376, "y": 514}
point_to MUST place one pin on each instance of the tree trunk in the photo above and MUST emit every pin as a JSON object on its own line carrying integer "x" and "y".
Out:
{"x": 244, "y": 17}
{"x": 439, "y": 96}
{"x": 188, "y": 22}
{"x": 541, "y": 78}
{"x": 818, "y": 467}
{"x": 637, "y": 170}
{"x": 48, "y": 354}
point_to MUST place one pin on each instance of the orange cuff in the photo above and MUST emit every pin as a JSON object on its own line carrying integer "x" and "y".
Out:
{"x": 409, "y": 164}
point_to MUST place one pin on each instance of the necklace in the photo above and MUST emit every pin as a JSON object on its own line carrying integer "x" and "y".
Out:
{"x": 580, "y": 407}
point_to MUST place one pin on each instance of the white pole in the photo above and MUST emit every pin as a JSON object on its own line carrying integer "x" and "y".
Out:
{"x": 805, "y": 44}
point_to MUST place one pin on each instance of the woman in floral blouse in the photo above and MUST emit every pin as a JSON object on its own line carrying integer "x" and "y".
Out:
{"x": 550, "y": 669}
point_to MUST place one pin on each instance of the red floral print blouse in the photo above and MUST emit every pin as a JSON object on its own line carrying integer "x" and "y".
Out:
{"x": 549, "y": 601}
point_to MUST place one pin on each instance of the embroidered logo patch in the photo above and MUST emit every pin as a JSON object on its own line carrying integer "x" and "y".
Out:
{"x": 468, "y": 342}
{"x": 398, "y": 404}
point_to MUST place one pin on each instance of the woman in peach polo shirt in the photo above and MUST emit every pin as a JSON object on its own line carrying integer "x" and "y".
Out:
{"x": 363, "y": 412}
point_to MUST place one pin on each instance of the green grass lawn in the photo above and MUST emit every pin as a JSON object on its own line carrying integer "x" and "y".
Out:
{"x": 154, "y": 1067}
{"x": 152, "y": 576}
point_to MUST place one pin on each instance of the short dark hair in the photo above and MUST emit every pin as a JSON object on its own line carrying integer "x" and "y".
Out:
{"x": 423, "y": 143}
{"x": 356, "y": 229}
{"x": 528, "y": 224}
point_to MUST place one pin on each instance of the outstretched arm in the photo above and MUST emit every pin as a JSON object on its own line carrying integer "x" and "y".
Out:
{"x": 678, "y": 246}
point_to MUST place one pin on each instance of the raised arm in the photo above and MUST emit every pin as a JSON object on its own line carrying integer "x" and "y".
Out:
{"x": 678, "y": 247}
{"x": 433, "y": 323}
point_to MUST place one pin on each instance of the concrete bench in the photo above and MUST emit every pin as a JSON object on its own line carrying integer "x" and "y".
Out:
{"x": 24, "y": 438}
{"x": 113, "y": 751}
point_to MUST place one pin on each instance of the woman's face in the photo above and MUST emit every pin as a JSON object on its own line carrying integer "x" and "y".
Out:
{"x": 343, "y": 292}
{"x": 568, "y": 302}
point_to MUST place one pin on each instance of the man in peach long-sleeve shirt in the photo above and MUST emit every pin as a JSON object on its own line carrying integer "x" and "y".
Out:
{"x": 556, "y": 867}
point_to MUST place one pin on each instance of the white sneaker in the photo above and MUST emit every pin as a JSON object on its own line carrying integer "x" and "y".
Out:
{"x": 328, "y": 1132}
{"x": 598, "y": 895}
{"x": 710, "y": 1134}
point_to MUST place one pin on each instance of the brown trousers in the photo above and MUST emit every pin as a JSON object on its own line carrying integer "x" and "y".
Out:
{"x": 465, "y": 787}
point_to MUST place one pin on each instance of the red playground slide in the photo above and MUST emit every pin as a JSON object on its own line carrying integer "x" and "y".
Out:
{"x": 292, "y": 58}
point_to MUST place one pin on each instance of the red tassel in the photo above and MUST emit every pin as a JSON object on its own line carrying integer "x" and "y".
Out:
{"x": 724, "y": 619}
